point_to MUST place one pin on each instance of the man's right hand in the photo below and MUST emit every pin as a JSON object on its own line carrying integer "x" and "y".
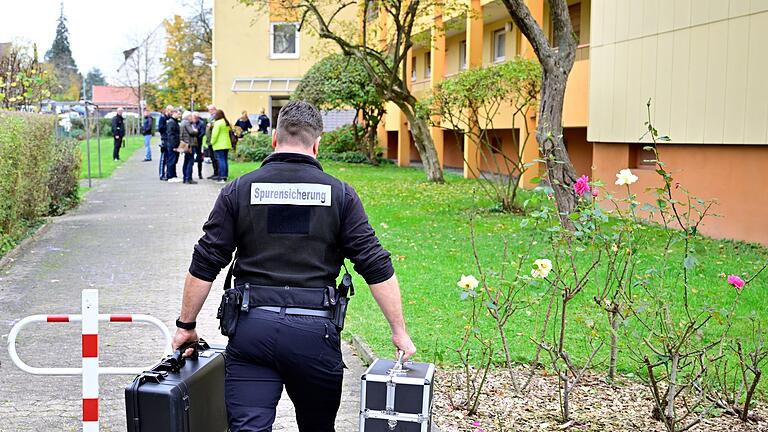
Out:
{"x": 403, "y": 343}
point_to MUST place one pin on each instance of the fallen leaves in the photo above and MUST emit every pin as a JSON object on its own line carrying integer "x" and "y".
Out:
{"x": 597, "y": 406}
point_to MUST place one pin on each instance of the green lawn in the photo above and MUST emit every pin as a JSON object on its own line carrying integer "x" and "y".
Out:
{"x": 104, "y": 146}
{"x": 425, "y": 227}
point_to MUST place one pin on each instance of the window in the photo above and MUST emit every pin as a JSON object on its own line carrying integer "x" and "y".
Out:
{"x": 462, "y": 55}
{"x": 284, "y": 41}
{"x": 428, "y": 65}
{"x": 497, "y": 144}
{"x": 373, "y": 9}
{"x": 640, "y": 158}
{"x": 574, "y": 12}
{"x": 499, "y": 45}
{"x": 413, "y": 68}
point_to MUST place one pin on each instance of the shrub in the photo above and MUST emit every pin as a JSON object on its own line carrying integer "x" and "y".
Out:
{"x": 38, "y": 174}
{"x": 349, "y": 157}
{"x": 253, "y": 148}
{"x": 64, "y": 176}
{"x": 339, "y": 141}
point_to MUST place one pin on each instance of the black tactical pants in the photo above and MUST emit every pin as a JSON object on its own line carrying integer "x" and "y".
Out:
{"x": 270, "y": 350}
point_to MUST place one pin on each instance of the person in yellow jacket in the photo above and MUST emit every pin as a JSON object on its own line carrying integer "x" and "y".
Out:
{"x": 221, "y": 144}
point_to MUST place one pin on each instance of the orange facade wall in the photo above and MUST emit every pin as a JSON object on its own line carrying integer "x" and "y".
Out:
{"x": 453, "y": 149}
{"x": 735, "y": 175}
{"x": 501, "y": 160}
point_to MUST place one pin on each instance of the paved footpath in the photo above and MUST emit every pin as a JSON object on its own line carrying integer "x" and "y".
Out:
{"x": 131, "y": 239}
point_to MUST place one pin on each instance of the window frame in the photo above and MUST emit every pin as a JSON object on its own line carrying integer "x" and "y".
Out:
{"x": 500, "y": 33}
{"x": 283, "y": 56}
{"x": 427, "y": 65}
{"x": 413, "y": 68}
{"x": 463, "y": 55}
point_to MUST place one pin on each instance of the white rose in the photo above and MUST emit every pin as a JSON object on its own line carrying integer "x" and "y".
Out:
{"x": 625, "y": 177}
{"x": 468, "y": 282}
{"x": 541, "y": 268}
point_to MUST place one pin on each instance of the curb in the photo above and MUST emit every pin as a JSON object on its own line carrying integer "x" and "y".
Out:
{"x": 363, "y": 350}
{"x": 25, "y": 244}
{"x": 368, "y": 357}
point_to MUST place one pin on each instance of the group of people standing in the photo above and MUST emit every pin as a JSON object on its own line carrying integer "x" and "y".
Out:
{"x": 186, "y": 133}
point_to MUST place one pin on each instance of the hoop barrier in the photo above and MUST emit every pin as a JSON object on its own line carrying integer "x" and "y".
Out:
{"x": 90, "y": 369}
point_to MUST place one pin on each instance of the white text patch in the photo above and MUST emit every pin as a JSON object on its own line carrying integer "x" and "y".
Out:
{"x": 303, "y": 194}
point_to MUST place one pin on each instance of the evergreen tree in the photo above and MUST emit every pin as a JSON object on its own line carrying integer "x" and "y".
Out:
{"x": 94, "y": 77}
{"x": 60, "y": 57}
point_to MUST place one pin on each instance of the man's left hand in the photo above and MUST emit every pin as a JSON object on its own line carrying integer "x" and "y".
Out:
{"x": 183, "y": 336}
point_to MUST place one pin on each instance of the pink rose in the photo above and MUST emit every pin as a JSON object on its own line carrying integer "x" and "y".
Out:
{"x": 581, "y": 186}
{"x": 736, "y": 281}
{"x": 594, "y": 193}
{"x": 476, "y": 423}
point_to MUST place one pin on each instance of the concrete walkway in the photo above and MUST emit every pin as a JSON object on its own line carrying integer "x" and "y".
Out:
{"x": 131, "y": 239}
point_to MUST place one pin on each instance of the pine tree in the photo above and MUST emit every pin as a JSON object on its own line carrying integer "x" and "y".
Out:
{"x": 94, "y": 77}
{"x": 60, "y": 57}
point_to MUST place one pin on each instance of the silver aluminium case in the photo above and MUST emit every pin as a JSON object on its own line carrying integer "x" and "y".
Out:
{"x": 391, "y": 382}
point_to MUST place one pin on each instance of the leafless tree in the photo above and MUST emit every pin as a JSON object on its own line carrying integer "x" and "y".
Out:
{"x": 142, "y": 62}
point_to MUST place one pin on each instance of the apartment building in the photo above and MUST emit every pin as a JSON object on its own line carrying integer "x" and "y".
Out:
{"x": 701, "y": 62}
{"x": 259, "y": 57}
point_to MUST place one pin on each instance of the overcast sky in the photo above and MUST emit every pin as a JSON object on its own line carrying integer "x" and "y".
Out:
{"x": 99, "y": 30}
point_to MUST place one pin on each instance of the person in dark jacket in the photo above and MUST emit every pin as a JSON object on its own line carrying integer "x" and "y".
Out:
{"x": 263, "y": 123}
{"x": 173, "y": 134}
{"x": 200, "y": 125}
{"x": 209, "y": 128}
{"x": 161, "y": 127}
{"x": 147, "y": 130}
{"x": 118, "y": 131}
{"x": 291, "y": 226}
{"x": 189, "y": 138}
{"x": 244, "y": 123}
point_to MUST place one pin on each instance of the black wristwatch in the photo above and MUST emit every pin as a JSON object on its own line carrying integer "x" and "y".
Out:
{"x": 186, "y": 325}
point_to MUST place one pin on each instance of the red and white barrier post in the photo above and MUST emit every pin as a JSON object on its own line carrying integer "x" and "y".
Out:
{"x": 90, "y": 369}
{"x": 90, "y": 343}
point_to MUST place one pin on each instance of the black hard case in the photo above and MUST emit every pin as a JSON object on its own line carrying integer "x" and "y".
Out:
{"x": 411, "y": 404}
{"x": 188, "y": 400}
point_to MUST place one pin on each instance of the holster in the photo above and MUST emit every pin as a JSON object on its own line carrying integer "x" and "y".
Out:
{"x": 343, "y": 293}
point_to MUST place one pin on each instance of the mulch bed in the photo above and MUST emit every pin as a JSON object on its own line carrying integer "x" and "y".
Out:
{"x": 595, "y": 406}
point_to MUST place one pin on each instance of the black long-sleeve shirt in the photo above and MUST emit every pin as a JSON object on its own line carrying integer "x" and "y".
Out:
{"x": 358, "y": 241}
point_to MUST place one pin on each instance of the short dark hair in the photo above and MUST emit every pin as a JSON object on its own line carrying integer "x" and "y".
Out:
{"x": 299, "y": 122}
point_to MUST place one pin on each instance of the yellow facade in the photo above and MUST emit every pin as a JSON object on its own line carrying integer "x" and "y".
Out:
{"x": 249, "y": 73}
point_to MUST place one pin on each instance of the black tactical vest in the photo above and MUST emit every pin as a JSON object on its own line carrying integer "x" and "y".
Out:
{"x": 288, "y": 223}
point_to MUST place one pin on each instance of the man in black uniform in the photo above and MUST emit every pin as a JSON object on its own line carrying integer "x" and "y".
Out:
{"x": 291, "y": 226}
{"x": 118, "y": 131}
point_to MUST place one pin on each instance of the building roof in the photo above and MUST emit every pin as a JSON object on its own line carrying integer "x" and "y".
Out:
{"x": 112, "y": 96}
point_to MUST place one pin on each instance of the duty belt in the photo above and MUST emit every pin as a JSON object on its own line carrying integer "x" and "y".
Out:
{"x": 298, "y": 300}
{"x": 298, "y": 311}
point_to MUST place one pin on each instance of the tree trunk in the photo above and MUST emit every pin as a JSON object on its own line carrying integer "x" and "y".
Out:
{"x": 423, "y": 140}
{"x": 370, "y": 143}
{"x": 549, "y": 134}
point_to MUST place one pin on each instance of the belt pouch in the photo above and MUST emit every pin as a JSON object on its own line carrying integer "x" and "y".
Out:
{"x": 229, "y": 311}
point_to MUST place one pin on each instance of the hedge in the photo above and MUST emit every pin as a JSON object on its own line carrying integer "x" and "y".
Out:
{"x": 338, "y": 145}
{"x": 38, "y": 173}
